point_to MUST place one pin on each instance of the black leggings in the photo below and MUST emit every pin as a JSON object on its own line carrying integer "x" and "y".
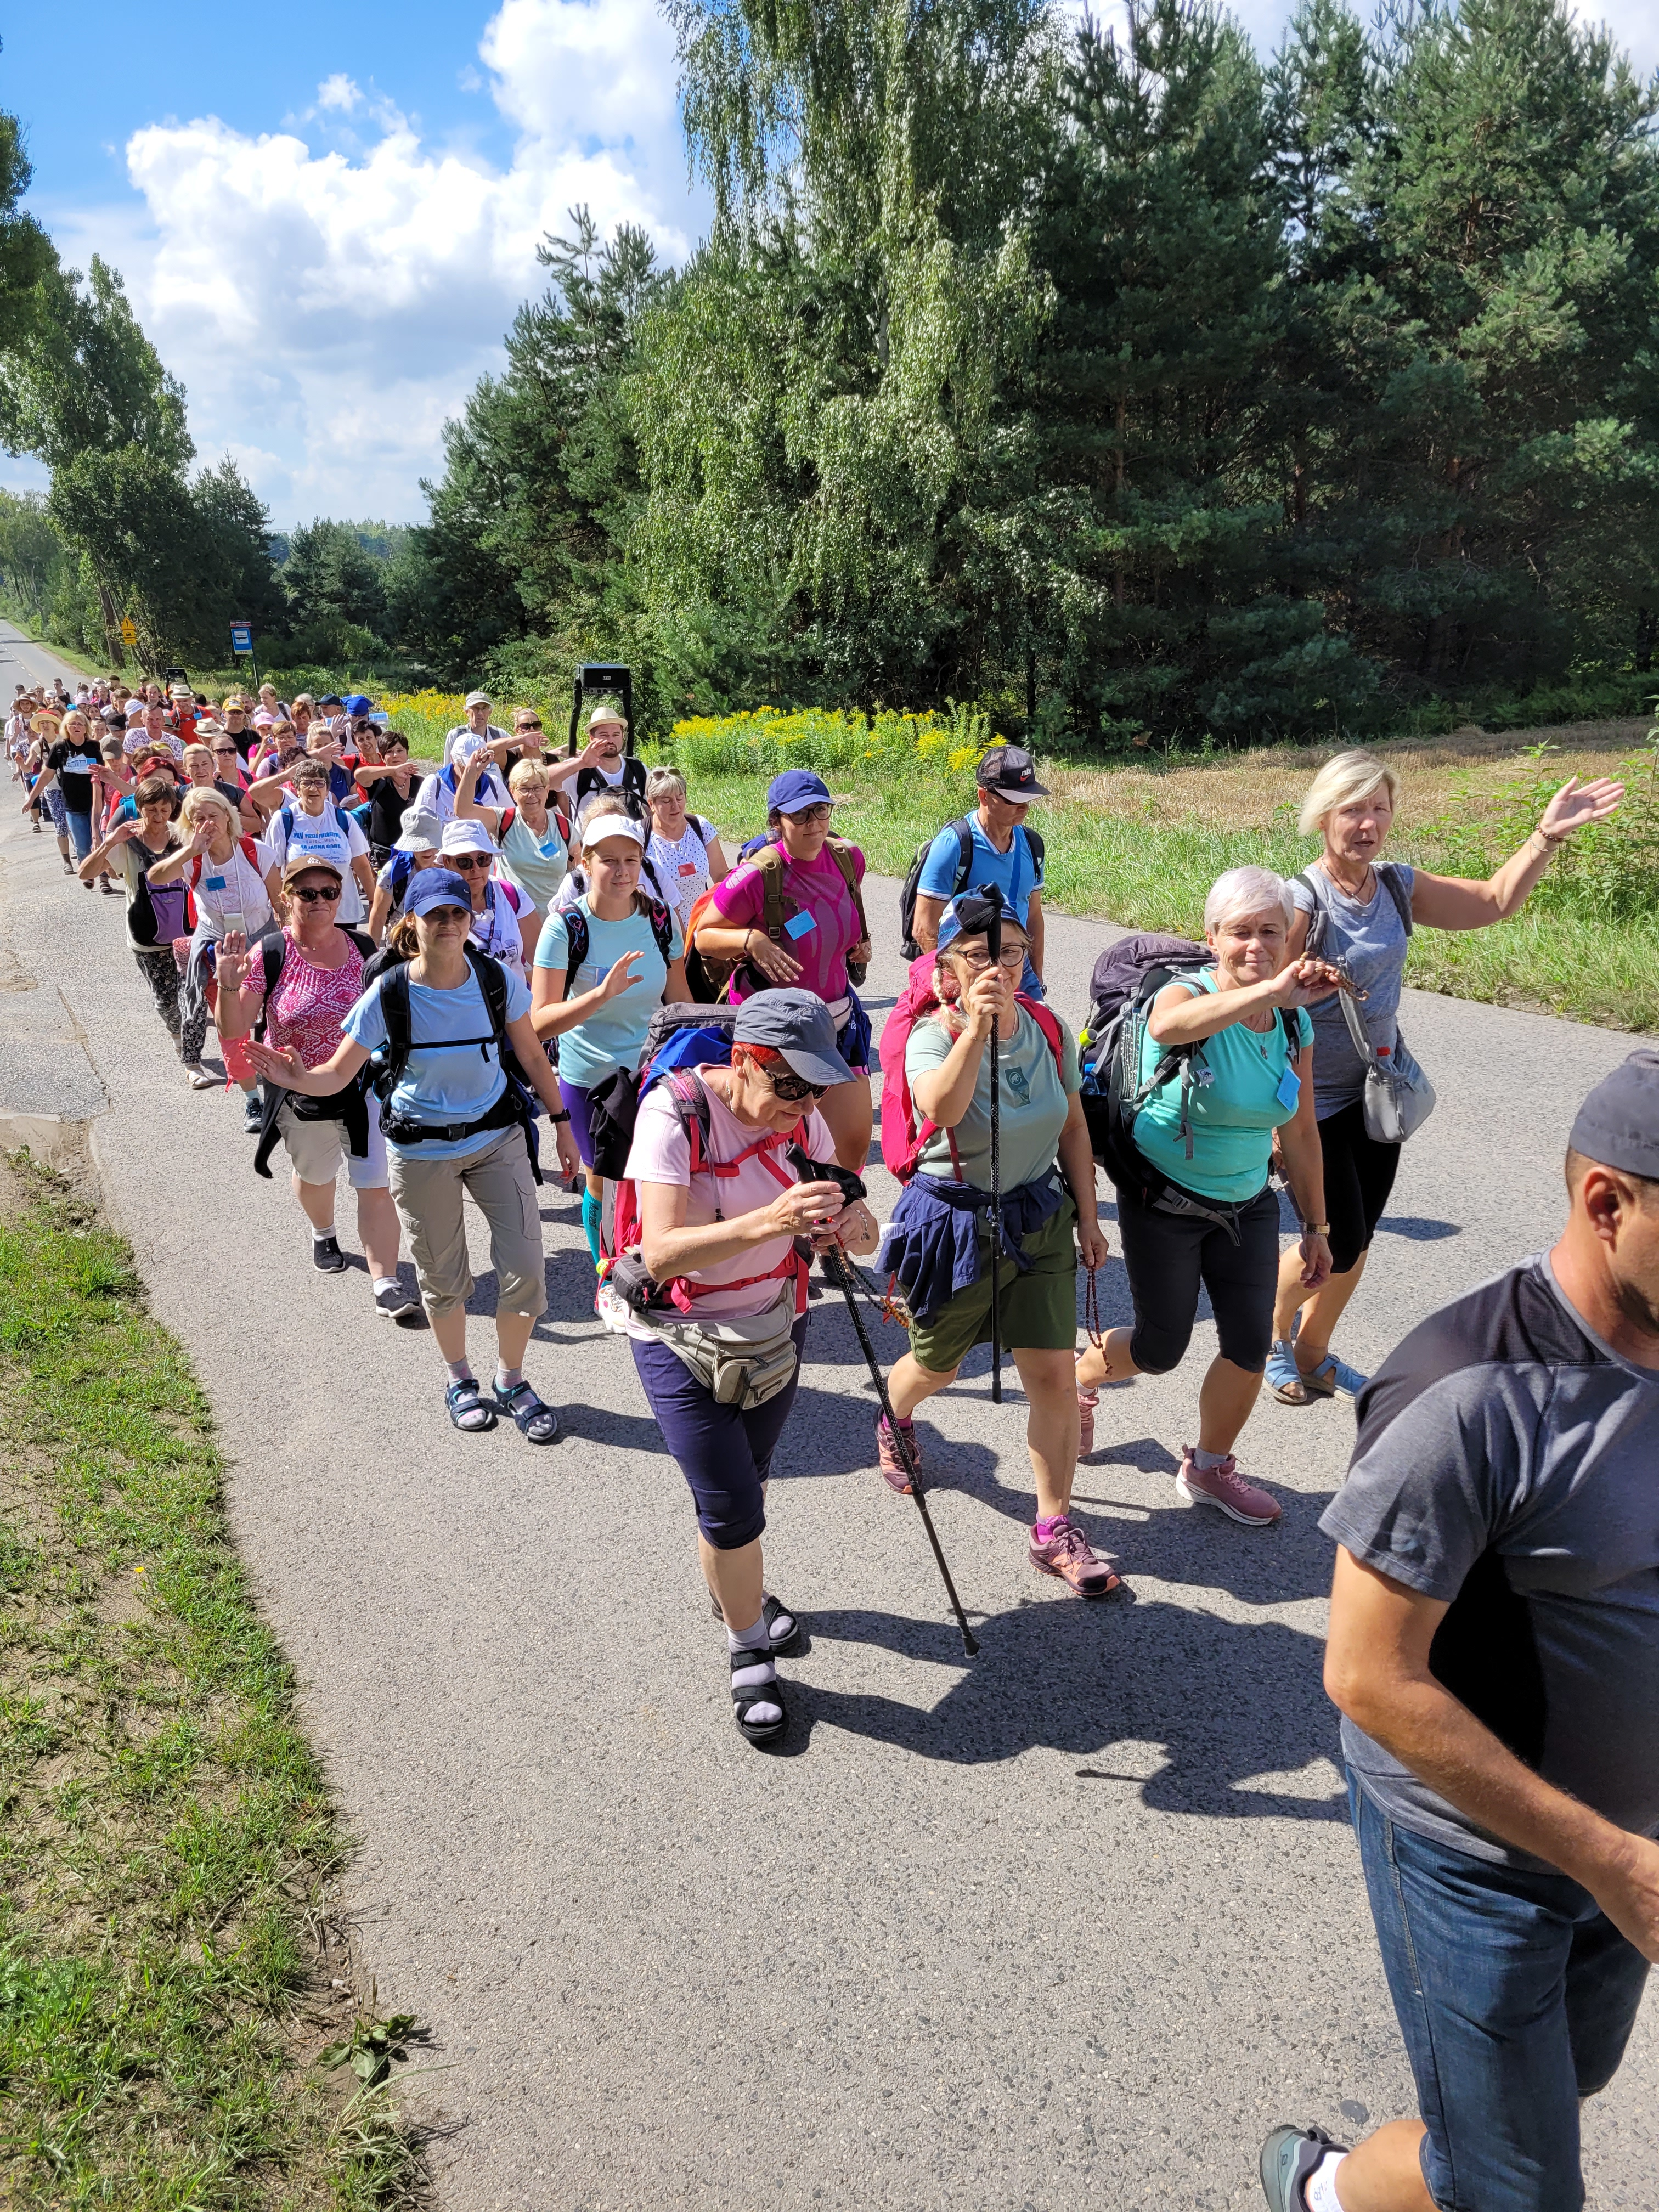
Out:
{"x": 1359, "y": 1174}
{"x": 1168, "y": 1256}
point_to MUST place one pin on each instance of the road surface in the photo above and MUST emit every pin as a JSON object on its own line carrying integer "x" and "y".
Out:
{"x": 1075, "y": 1923}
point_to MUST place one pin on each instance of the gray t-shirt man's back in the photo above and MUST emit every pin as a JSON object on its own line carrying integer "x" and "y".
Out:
{"x": 1371, "y": 941}
{"x": 1508, "y": 1463}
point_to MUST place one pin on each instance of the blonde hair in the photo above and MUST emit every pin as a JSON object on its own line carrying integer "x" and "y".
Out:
{"x": 403, "y": 938}
{"x": 661, "y": 780}
{"x": 1344, "y": 778}
{"x": 528, "y": 775}
{"x": 193, "y": 751}
{"x": 200, "y": 798}
{"x": 1246, "y": 890}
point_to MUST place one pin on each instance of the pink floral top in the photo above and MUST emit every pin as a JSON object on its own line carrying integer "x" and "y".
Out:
{"x": 309, "y": 1003}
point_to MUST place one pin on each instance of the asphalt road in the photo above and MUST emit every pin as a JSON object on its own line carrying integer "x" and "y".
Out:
{"x": 1076, "y": 1922}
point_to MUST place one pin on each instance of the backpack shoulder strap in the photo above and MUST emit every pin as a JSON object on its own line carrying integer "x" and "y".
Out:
{"x": 272, "y": 954}
{"x": 1402, "y": 905}
{"x": 964, "y": 830}
{"x": 492, "y": 982}
{"x": 1318, "y": 920}
{"x": 576, "y": 938}
{"x": 394, "y": 1012}
{"x": 1048, "y": 1022}
{"x": 1034, "y": 840}
{"x": 250, "y": 853}
{"x": 662, "y": 928}
{"x": 365, "y": 945}
{"x": 691, "y": 1110}
{"x": 770, "y": 862}
{"x": 843, "y": 857}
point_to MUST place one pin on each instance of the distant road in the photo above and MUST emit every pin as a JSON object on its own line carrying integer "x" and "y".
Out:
{"x": 23, "y": 661}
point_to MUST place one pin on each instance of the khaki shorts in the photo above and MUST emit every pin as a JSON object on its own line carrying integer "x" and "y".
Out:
{"x": 315, "y": 1149}
{"x": 1038, "y": 1308}
{"x": 497, "y": 1177}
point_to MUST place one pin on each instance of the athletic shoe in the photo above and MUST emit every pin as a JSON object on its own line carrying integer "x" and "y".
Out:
{"x": 1069, "y": 1555}
{"x": 1086, "y": 1402}
{"x": 396, "y": 1303}
{"x": 325, "y": 1254}
{"x": 894, "y": 1472}
{"x": 1226, "y": 1486}
{"x": 1288, "y": 2157}
{"x": 254, "y": 1114}
{"x": 199, "y": 1078}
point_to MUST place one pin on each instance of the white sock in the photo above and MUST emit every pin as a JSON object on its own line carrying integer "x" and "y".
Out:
{"x": 1319, "y": 2190}
{"x": 460, "y": 1371}
{"x": 385, "y": 1283}
{"x": 508, "y": 1378}
{"x": 757, "y": 1640}
{"x": 318, "y": 1235}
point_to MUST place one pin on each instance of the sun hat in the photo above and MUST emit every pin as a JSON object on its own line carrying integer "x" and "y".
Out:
{"x": 477, "y": 699}
{"x": 466, "y": 837}
{"x": 419, "y": 831}
{"x": 1617, "y": 1125}
{"x": 798, "y": 1024}
{"x": 436, "y": 887}
{"x": 48, "y": 719}
{"x": 797, "y": 789}
{"x": 1011, "y": 770}
{"x": 297, "y": 863}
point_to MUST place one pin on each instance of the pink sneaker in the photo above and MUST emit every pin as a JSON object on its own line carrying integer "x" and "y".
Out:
{"x": 1226, "y": 1486}
{"x": 894, "y": 1472}
{"x": 1069, "y": 1555}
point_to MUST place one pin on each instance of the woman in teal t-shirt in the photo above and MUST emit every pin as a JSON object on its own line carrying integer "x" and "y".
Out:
{"x": 1205, "y": 1217}
{"x": 600, "y": 1007}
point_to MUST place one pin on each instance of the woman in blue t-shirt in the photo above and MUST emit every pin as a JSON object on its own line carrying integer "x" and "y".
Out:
{"x": 453, "y": 1081}
{"x": 1205, "y": 1217}
{"x": 599, "y": 1006}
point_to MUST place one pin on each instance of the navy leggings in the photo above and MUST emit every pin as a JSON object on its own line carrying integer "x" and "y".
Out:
{"x": 724, "y": 1454}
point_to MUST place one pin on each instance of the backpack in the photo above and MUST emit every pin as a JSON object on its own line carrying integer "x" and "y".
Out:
{"x": 1128, "y": 978}
{"x": 387, "y": 1064}
{"x": 576, "y": 936}
{"x": 713, "y": 972}
{"x": 901, "y": 1136}
{"x": 964, "y": 828}
{"x": 249, "y": 854}
{"x": 631, "y": 789}
{"x": 681, "y": 1037}
{"x": 273, "y": 945}
{"x": 285, "y": 815}
{"x": 155, "y": 917}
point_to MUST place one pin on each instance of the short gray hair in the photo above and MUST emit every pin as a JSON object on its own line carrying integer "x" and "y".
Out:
{"x": 663, "y": 779}
{"x": 1246, "y": 890}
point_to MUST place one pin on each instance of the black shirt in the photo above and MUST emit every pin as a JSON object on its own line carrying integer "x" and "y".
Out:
{"x": 387, "y": 806}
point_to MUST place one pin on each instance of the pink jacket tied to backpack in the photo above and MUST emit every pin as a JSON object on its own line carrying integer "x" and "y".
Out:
{"x": 902, "y": 1137}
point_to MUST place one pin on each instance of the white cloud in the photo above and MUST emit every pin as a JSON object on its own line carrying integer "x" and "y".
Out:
{"x": 327, "y": 305}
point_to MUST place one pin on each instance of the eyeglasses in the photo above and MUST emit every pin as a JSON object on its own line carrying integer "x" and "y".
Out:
{"x": 1012, "y": 956}
{"x": 811, "y": 814}
{"x": 310, "y": 893}
{"x": 792, "y": 1089}
{"x": 467, "y": 861}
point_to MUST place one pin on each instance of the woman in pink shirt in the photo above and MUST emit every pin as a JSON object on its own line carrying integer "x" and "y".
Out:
{"x": 819, "y": 929}
{"x": 717, "y": 1160}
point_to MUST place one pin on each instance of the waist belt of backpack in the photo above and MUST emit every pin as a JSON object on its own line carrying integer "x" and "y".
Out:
{"x": 405, "y": 1129}
{"x": 1171, "y": 1200}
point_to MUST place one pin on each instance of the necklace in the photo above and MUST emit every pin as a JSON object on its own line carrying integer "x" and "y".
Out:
{"x": 1368, "y": 875}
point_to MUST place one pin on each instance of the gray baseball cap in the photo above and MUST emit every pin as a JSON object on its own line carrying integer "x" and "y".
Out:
{"x": 1618, "y": 1124}
{"x": 798, "y": 1024}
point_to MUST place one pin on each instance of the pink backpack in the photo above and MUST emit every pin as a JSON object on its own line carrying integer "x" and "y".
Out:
{"x": 902, "y": 1137}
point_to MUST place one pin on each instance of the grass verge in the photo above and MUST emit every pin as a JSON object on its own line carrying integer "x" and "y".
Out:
{"x": 169, "y": 1968}
{"x": 1141, "y": 846}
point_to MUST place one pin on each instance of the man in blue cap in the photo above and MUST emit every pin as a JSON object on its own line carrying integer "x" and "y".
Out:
{"x": 992, "y": 845}
{"x": 1494, "y": 1649}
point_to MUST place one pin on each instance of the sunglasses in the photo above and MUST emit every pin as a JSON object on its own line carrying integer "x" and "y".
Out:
{"x": 310, "y": 893}
{"x": 225, "y": 752}
{"x": 522, "y": 727}
{"x": 467, "y": 861}
{"x": 792, "y": 1089}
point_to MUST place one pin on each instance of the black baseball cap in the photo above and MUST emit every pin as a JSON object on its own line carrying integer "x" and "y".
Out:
{"x": 1617, "y": 1125}
{"x": 1011, "y": 770}
{"x": 797, "y": 1024}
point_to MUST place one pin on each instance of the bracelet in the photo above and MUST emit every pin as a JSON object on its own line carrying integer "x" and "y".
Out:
{"x": 556, "y": 1118}
{"x": 1553, "y": 843}
{"x": 1315, "y": 1229}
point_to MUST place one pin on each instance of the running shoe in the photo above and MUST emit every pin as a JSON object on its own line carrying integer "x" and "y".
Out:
{"x": 325, "y": 1254}
{"x": 1288, "y": 2157}
{"x": 894, "y": 1473}
{"x": 254, "y": 1114}
{"x": 199, "y": 1078}
{"x": 1225, "y": 1487}
{"x": 396, "y": 1303}
{"x": 1069, "y": 1556}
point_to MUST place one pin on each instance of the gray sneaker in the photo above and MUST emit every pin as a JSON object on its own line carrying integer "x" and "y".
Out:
{"x": 1288, "y": 2157}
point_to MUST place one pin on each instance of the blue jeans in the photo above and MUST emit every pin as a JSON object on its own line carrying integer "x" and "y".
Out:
{"x": 1515, "y": 1997}
{"x": 80, "y": 830}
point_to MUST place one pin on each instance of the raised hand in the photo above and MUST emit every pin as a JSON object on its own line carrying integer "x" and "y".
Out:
{"x": 622, "y": 975}
{"x": 1576, "y": 806}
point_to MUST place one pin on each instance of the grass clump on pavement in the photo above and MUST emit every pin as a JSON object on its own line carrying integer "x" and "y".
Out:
{"x": 1141, "y": 845}
{"x": 165, "y": 1837}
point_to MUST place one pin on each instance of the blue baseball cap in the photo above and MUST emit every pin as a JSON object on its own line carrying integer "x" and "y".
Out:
{"x": 359, "y": 706}
{"x": 797, "y": 789}
{"x": 436, "y": 887}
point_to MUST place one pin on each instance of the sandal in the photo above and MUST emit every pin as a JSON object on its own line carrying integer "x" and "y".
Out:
{"x": 772, "y": 1611}
{"x": 537, "y": 1422}
{"x": 1285, "y": 1378}
{"x": 464, "y": 1398}
{"x": 760, "y": 1686}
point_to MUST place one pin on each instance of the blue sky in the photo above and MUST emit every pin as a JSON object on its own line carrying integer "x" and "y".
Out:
{"x": 326, "y": 217}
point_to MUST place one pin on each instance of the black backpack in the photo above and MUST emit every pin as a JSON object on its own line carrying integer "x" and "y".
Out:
{"x": 1128, "y": 978}
{"x": 576, "y": 936}
{"x": 387, "y": 1064}
{"x": 631, "y": 789}
{"x": 964, "y": 828}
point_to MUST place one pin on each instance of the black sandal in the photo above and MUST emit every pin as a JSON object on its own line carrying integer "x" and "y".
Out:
{"x": 465, "y": 1398}
{"x": 745, "y": 1696}
{"x": 538, "y": 1424}
{"x": 773, "y": 1610}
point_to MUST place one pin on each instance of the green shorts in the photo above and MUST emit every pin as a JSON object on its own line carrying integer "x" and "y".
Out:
{"x": 1039, "y": 1307}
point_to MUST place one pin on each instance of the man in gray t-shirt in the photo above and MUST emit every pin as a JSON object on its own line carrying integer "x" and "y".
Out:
{"x": 1494, "y": 1649}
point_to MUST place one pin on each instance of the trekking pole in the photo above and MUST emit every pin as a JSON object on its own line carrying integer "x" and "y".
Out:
{"x": 837, "y": 1260}
{"x": 994, "y": 946}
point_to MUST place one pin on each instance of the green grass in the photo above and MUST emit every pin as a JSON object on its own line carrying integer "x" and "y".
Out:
{"x": 165, "y": 1837}
{"x": 1587, "y": 946}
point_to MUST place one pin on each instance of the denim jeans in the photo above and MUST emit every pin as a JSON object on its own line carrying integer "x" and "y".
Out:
{"x": 80, "y": 830}
{"x": 1515, "y": 1995}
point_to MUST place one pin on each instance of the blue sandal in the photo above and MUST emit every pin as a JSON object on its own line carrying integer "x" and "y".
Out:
{"x": 537, "y": 1422}
{"x": 465, "y": 1398}
{"x": 1283, "y": 1377}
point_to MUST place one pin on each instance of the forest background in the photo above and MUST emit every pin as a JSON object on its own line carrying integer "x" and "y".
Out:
{"x": 1117, "y": 382}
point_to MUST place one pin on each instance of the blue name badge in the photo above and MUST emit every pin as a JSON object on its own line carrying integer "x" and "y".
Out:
{"x": 1289, "y": 1090}
{"x": 799, "y": 925}
{"x": 215, "y": 883}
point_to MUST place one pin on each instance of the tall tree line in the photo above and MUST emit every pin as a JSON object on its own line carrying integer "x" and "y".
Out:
{"x": 1110, "y": 375}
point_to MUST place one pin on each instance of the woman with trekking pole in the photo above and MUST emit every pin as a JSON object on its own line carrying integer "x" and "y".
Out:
{"x": 949, "y": 1260}
{"x": 1359, "y": 911}
{"x": 717, "y": 1329}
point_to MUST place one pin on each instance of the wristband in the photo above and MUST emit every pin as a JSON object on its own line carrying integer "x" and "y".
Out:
{"x": 1316, "y": 1228}
{"x": 556, "y": 1118}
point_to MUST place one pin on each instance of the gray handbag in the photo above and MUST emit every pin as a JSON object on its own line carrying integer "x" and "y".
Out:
{"x": 1398, "y": 1097}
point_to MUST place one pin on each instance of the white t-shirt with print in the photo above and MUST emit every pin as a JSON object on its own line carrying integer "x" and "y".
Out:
{"x": 329, "y": 835}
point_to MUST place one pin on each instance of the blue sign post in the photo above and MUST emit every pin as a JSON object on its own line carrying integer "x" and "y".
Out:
{"x": 241, "y": 641}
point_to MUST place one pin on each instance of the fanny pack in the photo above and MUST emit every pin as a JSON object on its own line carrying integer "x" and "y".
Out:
{"x": 742, "y": 1361}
